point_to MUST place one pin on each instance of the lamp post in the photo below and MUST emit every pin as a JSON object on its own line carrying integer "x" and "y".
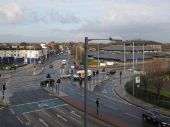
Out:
{"x": 98, "y": 56}
{"x": 124, "y": 59}
{"x": 85, "y": 68}
{"x": 143, "y": 57}
{"x": 133, "y": 72}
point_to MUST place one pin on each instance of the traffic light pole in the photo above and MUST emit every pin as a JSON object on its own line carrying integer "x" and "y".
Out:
{"x": 85, "y": 83}
{"x": 58, "y": 88}
{"x": 120, "y": 77}
{"x": 3, "y": 92}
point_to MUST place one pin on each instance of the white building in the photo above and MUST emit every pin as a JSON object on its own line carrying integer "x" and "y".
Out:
{"x": 26, "y": 56}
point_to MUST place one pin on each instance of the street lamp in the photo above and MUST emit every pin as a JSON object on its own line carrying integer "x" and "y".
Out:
{"x": 85, "y": 68}
{"x": 133, "y": 72}
{"x": 143, "y": 57}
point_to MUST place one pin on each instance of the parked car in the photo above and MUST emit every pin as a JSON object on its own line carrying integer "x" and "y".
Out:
{"x": 47, "y": 81}
{"x": 156, "y": 118}
{"x": 111, "y": 72}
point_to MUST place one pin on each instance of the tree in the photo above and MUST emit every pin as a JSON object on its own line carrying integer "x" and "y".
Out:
{"x": 156, "y": 72}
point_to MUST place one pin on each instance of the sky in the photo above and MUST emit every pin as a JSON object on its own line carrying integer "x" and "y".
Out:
{"x": 73, "y": 20}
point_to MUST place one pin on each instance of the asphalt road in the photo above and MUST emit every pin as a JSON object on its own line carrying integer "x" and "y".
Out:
{"x": 31, "y": 106}
{"x": 110, "y": 103}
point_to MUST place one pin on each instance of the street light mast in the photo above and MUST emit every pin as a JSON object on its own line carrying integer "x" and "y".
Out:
{"x": 85, "y": 69}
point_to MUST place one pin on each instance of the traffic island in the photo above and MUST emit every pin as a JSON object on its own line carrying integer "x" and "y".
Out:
{"x": 37, "y": 72}
{"x": 3, "y": 103}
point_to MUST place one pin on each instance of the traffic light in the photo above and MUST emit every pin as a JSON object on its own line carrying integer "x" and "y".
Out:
{"x": 4, "y": 87}
{"x": 58, "y": 81}
{"x": 120, "y": 73}
{"x": 97, "y": 72}
{"x": 94, "y": 73}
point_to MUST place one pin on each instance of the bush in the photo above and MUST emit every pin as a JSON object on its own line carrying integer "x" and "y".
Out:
{"x": 149, "y": 96}
{"x": 165, "y": 104}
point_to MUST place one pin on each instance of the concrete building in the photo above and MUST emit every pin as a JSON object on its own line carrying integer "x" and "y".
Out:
{"x": 23, "y": 53}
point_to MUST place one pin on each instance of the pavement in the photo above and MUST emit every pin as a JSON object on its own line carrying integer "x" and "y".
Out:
{"x": 122, "y": 93}
{"x": 90, "y": 111}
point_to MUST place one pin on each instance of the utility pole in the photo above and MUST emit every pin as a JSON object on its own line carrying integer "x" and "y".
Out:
{"x": 3, "y": 91}
{"x": 120, "y": 76}
{"x": 85, "y": 84}
{"x": 133, "y": 72}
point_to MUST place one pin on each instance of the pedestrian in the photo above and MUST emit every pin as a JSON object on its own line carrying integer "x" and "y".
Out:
{"x": 97, "y": 105}
{"x": 81, "y": 81}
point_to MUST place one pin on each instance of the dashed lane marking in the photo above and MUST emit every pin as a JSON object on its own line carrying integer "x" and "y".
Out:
{"x": 46, "y": 113}
{"x": 11, "y": 110}
{"x": 20, "y": 120}
{"x": 75, "y": 119}
{"x": 59, "y": 123}
{"x": 132, "y": 115}
{"x": 60, "y": 111}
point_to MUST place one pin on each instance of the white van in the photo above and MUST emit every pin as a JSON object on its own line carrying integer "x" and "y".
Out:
{"x": 81, "y": 73}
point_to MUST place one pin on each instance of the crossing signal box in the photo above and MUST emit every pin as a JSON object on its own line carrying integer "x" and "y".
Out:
{"x": 97, "y": 72}
{"x": 4, "y": 87}
{"x": 93, "y": 73}
{"x": 58, "y": 81}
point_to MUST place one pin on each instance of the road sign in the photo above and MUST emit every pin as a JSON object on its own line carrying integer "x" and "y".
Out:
{"x": 72, "y": 67}
{"x": 137, "y": 79}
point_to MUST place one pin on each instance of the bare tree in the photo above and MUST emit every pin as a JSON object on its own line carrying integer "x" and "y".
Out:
{"x": 156, "y": 70}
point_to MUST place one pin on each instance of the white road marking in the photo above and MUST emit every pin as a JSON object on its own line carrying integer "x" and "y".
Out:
{"x": 132, "y": 115}
{"x": 80, "y": 94}
{"x": 59, "y": 116}
{"x": 20, "y": 119}
{"x": 29, "y": 121}
{"x": 75, "y": 119}
{"x": 124, "y": 102}
{"x": 59, "y": 123}
{"x": 34, "y": 102}
{"x": 46, "y": 114}
{"x": 60, "y": 110}
{"x": 104, "y": 91}
{"x": 43, "y": 122}
{"x": 74, "y": 113}
{"x": 12, "y": 111}
{"x": 45, "y": 108}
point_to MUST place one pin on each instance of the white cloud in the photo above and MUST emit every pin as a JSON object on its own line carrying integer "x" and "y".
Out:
{"x": 126, "y": 18}
{"x": 11, "y": 12}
